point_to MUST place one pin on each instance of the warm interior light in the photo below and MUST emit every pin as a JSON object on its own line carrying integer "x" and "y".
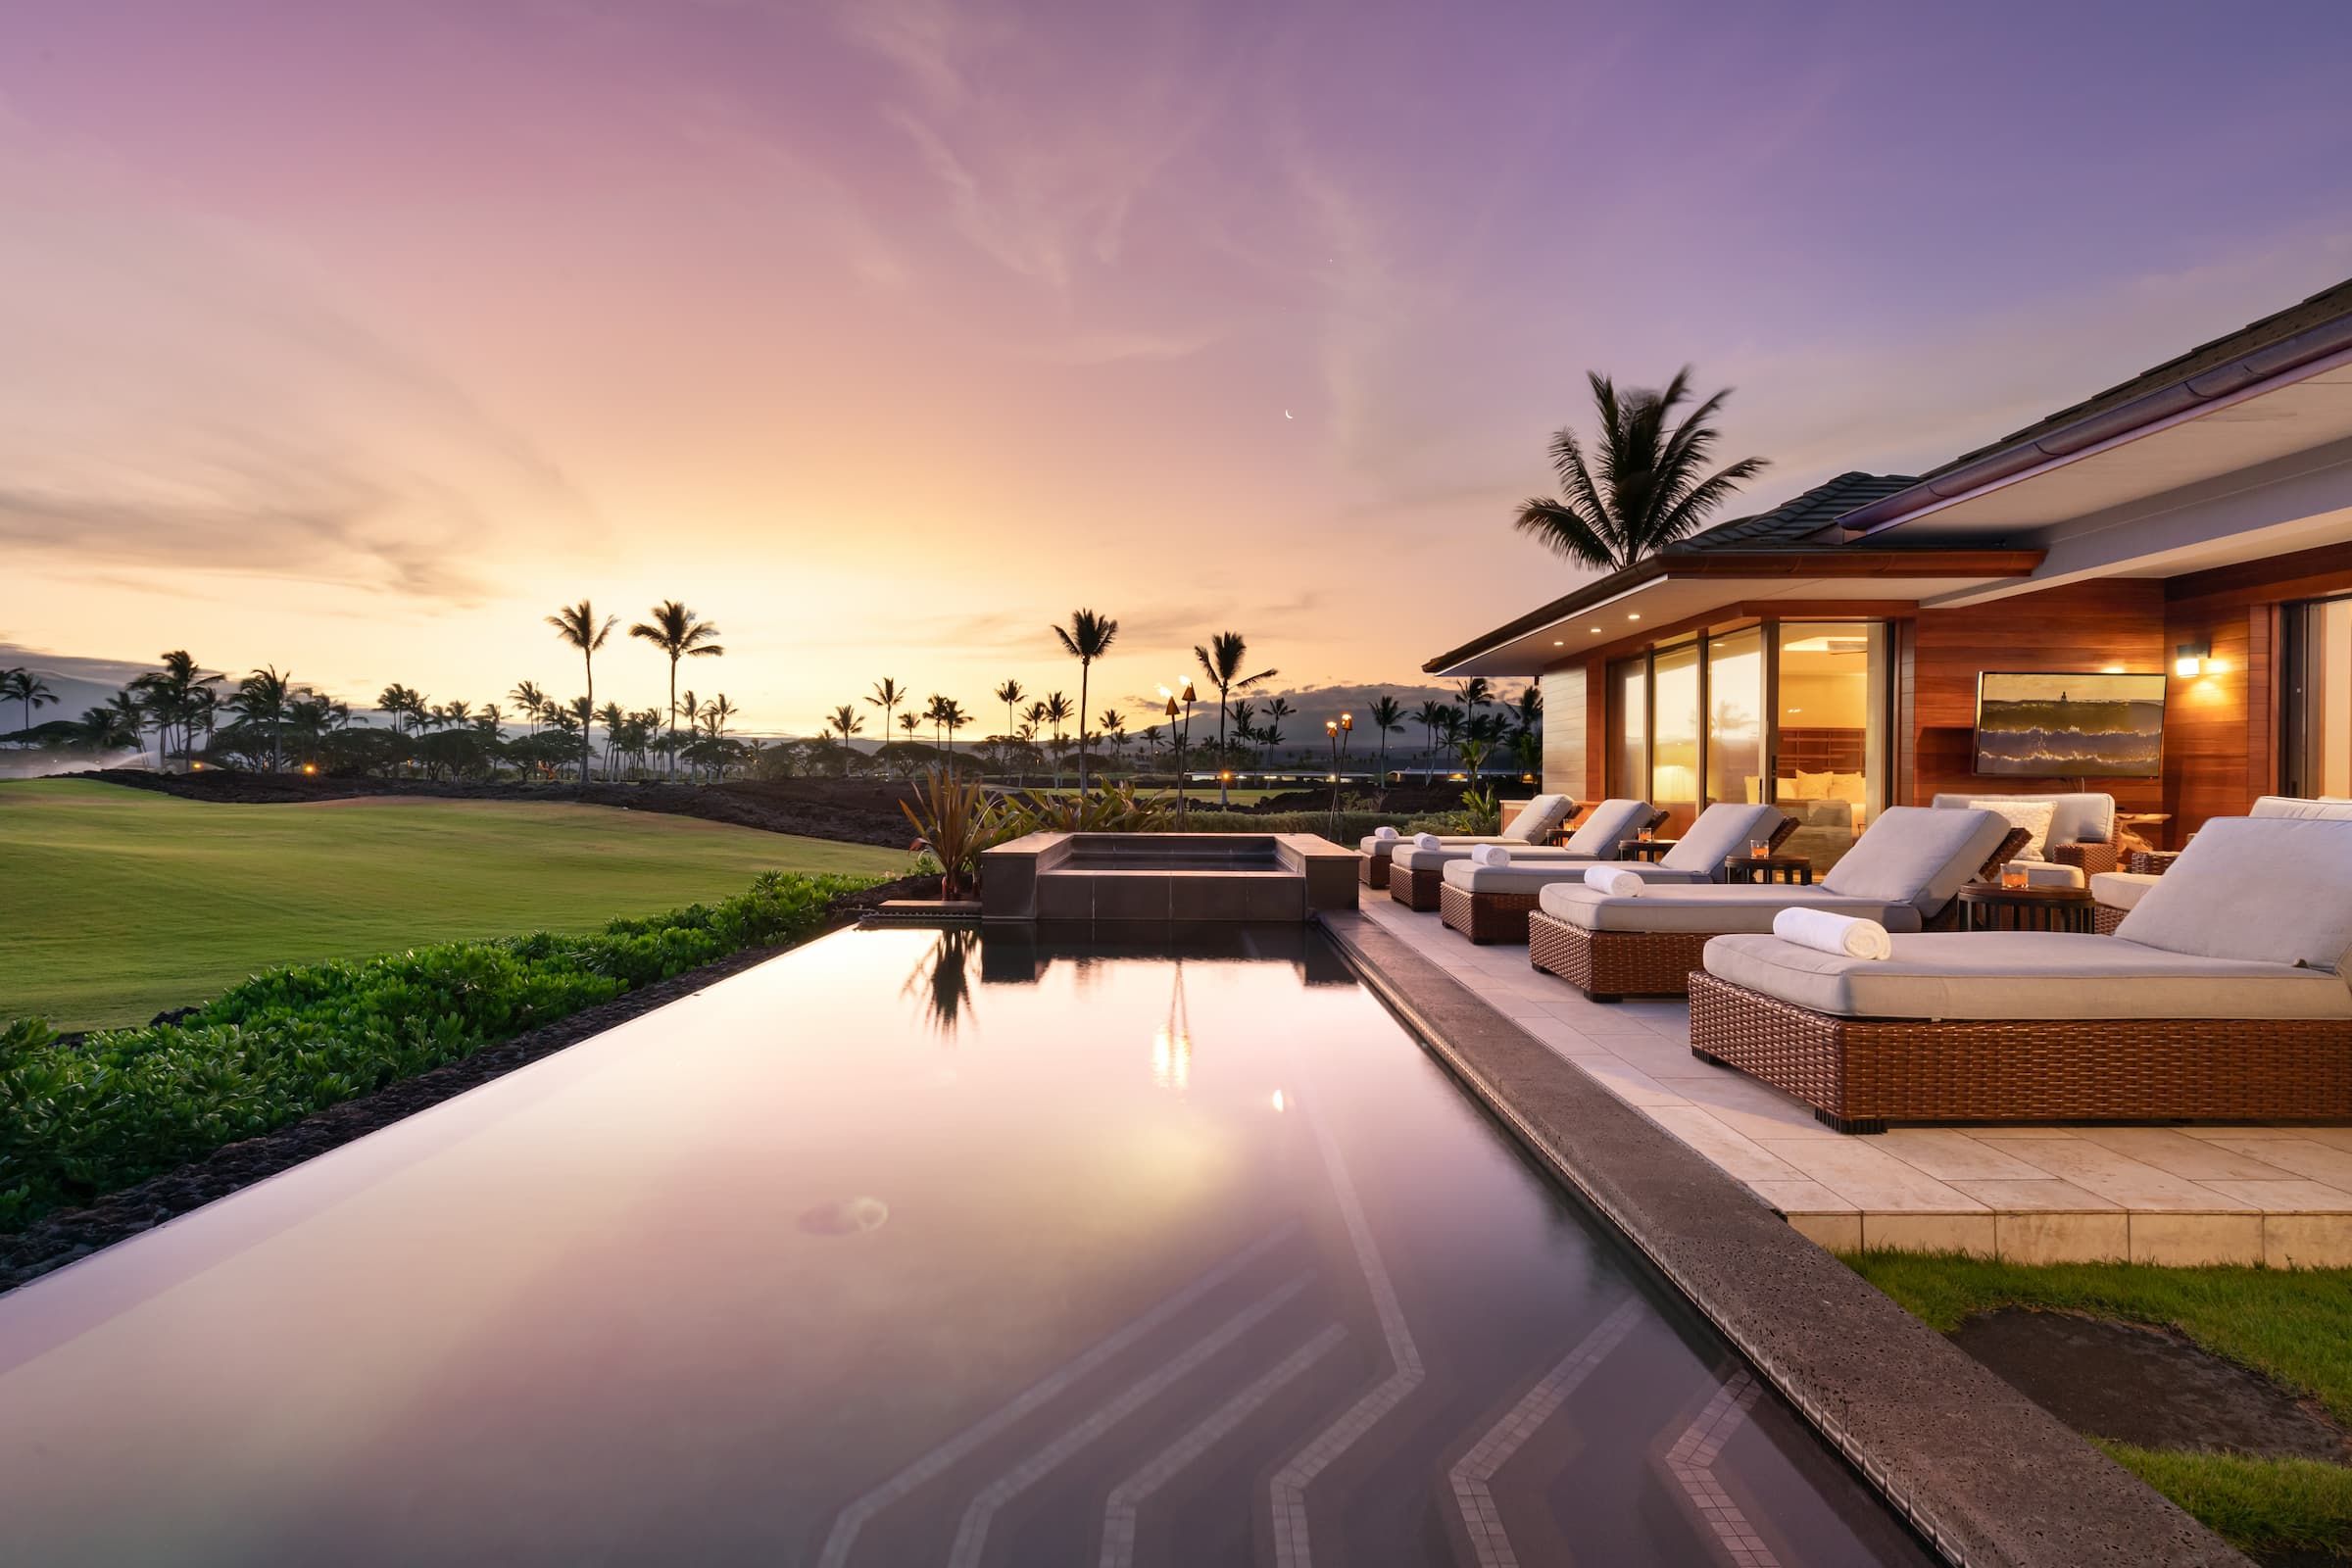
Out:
{"x": 2188, "y": 658}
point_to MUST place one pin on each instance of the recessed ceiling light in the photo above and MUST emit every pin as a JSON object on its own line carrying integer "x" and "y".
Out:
{"x": 1633, "y": 616}
{"x": 1556, "y": 643}
{"x": 1597, "y": 632}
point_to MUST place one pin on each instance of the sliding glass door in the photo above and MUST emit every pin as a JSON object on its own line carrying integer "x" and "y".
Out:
{"x": 2318, "y": 704}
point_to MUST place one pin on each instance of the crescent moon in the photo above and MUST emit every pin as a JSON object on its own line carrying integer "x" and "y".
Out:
{"x": 1286, "y": 414}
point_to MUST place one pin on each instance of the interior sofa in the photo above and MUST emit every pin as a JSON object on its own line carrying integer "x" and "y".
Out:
{"x": 1416, "y": 870}
{"x": 2081, "y": 843}
{"x": 1905, "y": 871}
{"x": 1533, "y": 823}
{"x": 2225, "y": 993}
{"x": 2116, "y": 893}
{"x": 1491, "y": 902}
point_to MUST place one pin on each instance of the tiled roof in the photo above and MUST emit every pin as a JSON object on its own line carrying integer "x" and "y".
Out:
{"x": 1793, "y": 522}
{"x": 2324, "y": 306}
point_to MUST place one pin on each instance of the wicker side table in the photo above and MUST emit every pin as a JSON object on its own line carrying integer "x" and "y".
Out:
{"x": 1768, "y": 868}
{"x": 1986, "y": 907}
{"x": 1652, "y": 850}
{"x": 2150, "y": 862}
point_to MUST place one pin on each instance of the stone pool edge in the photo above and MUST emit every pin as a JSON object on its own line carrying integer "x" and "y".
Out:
{"x": 1985, "y": 1475}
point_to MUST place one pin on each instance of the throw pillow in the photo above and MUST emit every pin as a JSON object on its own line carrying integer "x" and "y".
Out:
{"x": 2031, "y": 815}
{"x": 1811, "y": 785}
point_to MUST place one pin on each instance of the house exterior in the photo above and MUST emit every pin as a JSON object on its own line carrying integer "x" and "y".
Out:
{"x": 2193, "y": 522}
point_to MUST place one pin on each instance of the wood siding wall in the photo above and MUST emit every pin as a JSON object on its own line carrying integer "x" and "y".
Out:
{"x": 2221, "y": 749}
{"x": 2117, "y": 625}
{"x": 1566, "y": 737}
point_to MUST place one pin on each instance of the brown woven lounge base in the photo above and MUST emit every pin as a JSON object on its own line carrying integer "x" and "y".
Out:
{"x": 1859, "y": 1074}
{"x": 1373, "y": 871}
{"x": 1608, "y": 965}
{"x": 1416, "y": 889}
{"x": 2104, "y": 918}
{"x": 1485, "y": 916}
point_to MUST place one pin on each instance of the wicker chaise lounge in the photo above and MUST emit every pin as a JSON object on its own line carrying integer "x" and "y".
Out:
{"x": 1904, "y": 872}
{"x": 2116, "y": 892}
{"x": 1416, "y": 871}
{"x": 1492, "y": 903}
{"x": 2223, "y": 996}
{"x": 1533, "y": 825}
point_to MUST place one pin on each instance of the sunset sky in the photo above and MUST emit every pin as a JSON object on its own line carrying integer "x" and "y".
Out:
{"x": 356, "y": 337}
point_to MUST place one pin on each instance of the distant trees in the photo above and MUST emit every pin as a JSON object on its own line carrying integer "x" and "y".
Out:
{"x": 1221, "y": 660}
{"x": 30, "y": 691}
{"x": 888, "y": 695}
{"x": 1087, "y": 638}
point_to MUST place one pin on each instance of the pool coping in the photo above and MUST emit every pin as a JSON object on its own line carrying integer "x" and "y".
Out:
{"x": 1984, "y": 1474}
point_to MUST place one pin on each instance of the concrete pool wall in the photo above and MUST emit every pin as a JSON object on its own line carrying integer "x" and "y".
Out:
{"x": 1166, "y": 876}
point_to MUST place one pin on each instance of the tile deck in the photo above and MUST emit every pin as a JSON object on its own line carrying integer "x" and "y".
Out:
{"x": 2281, "y": 1195}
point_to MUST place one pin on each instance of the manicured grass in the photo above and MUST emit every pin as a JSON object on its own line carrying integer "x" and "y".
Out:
{"x": 116, "y": 903}
{"x": 2293, "y": 1325}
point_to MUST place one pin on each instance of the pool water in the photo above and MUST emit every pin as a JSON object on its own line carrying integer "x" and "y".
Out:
{"x": 917, "y": 1246}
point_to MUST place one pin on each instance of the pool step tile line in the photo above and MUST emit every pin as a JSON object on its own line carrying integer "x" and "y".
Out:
{"x": 2043, "y": 1193}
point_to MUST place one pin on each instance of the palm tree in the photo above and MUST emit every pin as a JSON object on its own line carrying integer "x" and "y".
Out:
{"x": 1056, "y": 710}
{"x": 1087, "y": 638}
{"x": 954, "y": 718}
{"x": 26, "y": 687}
{"x": 1428, "y": 716}
{"x": 178, "y": 695}
{"x": 112, "y": 725}
{"x": 612, "y": 717}
{"x": 1475, "y": 693}
{"x": 1115, "y": 730}
{"x": 935, "y": 708}
{"x": 845, "y": 721}
{"x": 888, "y": 695}
{"x": 1649, "y": 491}
{"x": 1221, "y": 662}
{"x": 1009, "y": 694}
{"x": 531, "y": 700}
{"x": 262, "y": 699}
{"x": 681, "y": 634}
{"x": 577, "y": 626}
{"x": 1388, "y": 719}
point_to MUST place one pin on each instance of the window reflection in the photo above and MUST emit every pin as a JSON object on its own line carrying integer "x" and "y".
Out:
{"x": 1829, "y": 742}
{"x": 1674, "y": 729}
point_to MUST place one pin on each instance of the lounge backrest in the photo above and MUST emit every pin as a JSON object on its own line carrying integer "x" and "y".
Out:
{"x": 2085, "y": 819}
{"x": 1539, "y": 818}
{"x": 2322, "y": 811}
{"x": 1611, "y": 823}
{"x": 2275, "y": 890}
{"x": 1721, "y": 831}
{"x": 1917, "y": 854}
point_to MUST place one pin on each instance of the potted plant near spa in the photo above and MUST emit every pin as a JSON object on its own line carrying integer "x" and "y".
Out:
{"x": 955, "y": 820}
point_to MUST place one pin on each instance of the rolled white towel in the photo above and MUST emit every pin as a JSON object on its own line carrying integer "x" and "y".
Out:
{"x": 1615, "y": 881}
{"x": 1425, "y": 841}
{"x": 1490, "y": 855}
{"x": 1384, "y": 831}
{"x": 1831, "y": 932}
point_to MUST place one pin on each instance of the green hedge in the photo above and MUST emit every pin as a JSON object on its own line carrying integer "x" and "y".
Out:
{"x": 78, "y": 1122}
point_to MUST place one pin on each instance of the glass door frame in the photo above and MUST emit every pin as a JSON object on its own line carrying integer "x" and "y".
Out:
{"x": 2297, "y": 774}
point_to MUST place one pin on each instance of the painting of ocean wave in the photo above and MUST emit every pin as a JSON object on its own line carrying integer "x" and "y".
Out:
{"x": 2070, "y": 725}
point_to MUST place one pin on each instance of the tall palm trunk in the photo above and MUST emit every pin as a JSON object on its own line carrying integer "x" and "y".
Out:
{"x": 674, "y": 716}
{"x": 588, "y": 722}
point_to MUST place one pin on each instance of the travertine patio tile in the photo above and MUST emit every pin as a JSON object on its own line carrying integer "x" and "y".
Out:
{"x": 2046, "y": 1195}
{"x": 1564, "y": 1040}
{"x": 1999, "y": 1134}
{"x": 2299, "y": 1156}
{"x": 1871, "y": 1180}
{"x": 1838, "y": 1232}
{"x": 2334, "y": 1137}
{"x": 2307, "y": 1241}
{"x": 2062, "y": 1238}
{"x": 1745, "y": 1105}
{"x": 1973, "y": 1234}
{"x": 1801, "y": 1196}
{"x": 2197, "y": 1158}
{"x": 2287, "y": 1197}
{"x": 2133, "y": 1183}
{"x": 1660, "y": 1059}
{"x": 1735, "y": 1155}
{"x": 2228, "y": 1131}
{"x": 1629, "y": 1083}
{"x": 1947, "y": 1155}
{"x": 1600, "y": 1022}
{"x": 2184, "y": 1241}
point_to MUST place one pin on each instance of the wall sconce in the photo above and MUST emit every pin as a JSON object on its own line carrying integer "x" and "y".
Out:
{"x": 2188, "y": 658}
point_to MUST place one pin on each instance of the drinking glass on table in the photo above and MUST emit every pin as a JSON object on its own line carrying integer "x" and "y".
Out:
{"x": 1759, "y": 849}
{"x": 2013, "y": 876}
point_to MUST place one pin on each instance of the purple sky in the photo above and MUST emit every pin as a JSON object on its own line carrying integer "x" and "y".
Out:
{"x": 355, "y": 337}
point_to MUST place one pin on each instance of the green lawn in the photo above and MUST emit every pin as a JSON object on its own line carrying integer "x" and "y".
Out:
{"x": 2296, "y": 1325}
{"x": 115, "y": 903}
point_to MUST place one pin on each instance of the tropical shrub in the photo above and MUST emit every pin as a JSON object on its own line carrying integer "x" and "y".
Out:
{"x": 78, "y": 1122}
{"x": 956, "y": 819}
{"x": 1483, "y": 810}
{"x": 1113, "y": 809}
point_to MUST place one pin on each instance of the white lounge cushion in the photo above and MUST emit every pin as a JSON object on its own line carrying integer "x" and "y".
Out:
{"x": 1721, "y": 831}
{"x": 1520, "y": 874}
{"x": 2023, "y": 974}
{"x": 1710, "y": 906}
{"x": 1411, "y": 856}
{"x": 1917, "y": 854}
{"x": 2275, "y": 890}
{"x": 2322, "y": 810}
{"x": 1538, "y": 818}
{"x": 2120, "y": 890}
{"x": 2085, "y": 818}
{"x": 2045, "y": 875}
{"x": 1611, "y": 823}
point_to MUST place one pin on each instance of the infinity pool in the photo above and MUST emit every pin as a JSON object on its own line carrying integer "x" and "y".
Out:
{"x": 914, "y": 1246}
